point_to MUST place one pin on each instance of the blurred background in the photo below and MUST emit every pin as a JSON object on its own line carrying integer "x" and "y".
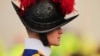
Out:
{"x": 81, "y": 36}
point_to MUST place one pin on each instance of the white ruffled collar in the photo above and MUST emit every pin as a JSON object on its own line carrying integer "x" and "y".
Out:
{"x": 31, "y": 43}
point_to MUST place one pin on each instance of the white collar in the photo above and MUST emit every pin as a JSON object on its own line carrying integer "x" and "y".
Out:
{"x": 31, "y": 43}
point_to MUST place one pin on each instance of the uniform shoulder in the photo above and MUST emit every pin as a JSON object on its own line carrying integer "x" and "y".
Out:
{"x": 31, "y": 52}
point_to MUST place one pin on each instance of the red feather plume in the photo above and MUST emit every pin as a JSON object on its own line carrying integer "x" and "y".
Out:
{"x": 67, "y": 6}
{"x": 26, "y": 3}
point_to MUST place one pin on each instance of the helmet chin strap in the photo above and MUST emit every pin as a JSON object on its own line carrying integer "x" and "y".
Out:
{"x": 43, "y": 38}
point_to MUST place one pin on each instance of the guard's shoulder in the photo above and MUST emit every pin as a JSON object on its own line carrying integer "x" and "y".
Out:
{"x": 31, "y": 52}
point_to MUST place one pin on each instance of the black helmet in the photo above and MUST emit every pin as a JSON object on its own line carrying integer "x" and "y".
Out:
{"x": 43, "y": 17}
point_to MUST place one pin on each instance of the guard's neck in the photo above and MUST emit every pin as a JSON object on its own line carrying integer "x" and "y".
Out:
{"x": 33, "y": 35}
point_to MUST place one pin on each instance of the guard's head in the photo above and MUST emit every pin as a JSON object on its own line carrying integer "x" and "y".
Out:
{"x": 45, "y": 16}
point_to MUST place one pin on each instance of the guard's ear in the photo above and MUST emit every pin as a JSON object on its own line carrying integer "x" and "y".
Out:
{"x": 17, "y": 9}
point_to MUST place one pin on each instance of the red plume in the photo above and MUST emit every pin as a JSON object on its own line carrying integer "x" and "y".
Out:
{"x": 26, "y": 3}
{"x": 67, "y": 6}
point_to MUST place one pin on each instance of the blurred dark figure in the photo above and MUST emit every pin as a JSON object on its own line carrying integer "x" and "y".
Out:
{"x": 77, "y": 54}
